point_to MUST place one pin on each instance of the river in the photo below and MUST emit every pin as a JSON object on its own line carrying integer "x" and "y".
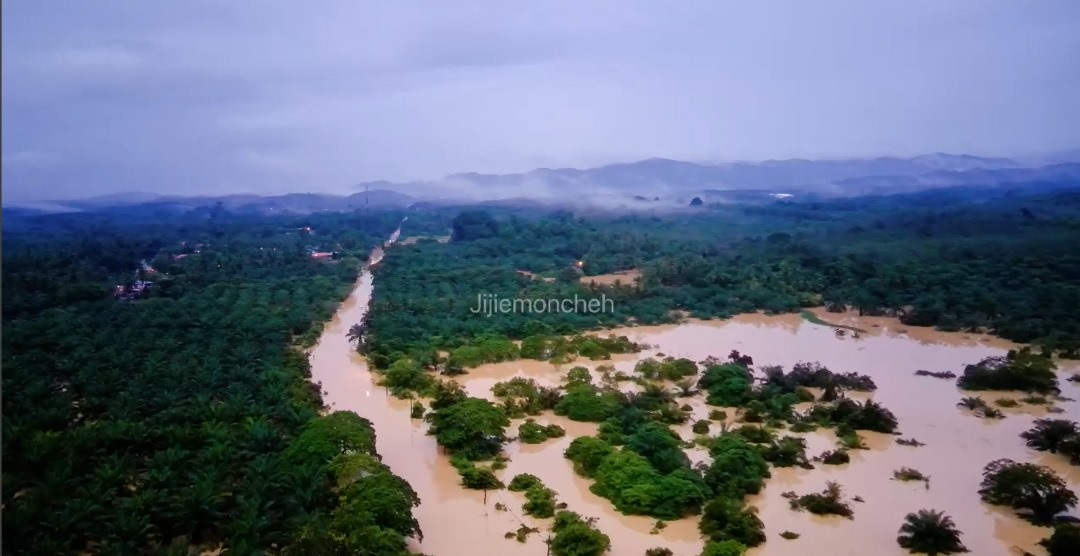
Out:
{"x": 459, "y": 522}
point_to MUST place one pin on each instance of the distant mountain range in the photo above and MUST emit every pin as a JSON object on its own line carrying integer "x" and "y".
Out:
{"x": 654, "y": 182}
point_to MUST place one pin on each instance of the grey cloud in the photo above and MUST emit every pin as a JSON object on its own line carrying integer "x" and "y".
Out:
{"x": 203, "y": 96}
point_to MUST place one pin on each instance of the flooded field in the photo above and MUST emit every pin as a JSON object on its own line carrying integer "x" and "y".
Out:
{"x": 459, "y": 522}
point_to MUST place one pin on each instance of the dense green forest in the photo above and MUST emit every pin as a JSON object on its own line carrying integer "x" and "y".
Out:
{"x": 1006, "y": 265}
{"x": 184, "y": 415}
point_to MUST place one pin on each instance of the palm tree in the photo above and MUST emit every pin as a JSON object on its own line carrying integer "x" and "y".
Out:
{"x": 687, "y": 387}
{"x": 930, "y": 532}
{"x": 355, "y": 333}
{"x": 1048, "y": 434}
{"x": 971, "y": 402}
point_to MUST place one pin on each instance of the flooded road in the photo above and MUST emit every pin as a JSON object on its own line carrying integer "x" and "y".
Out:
{"x": 458, "y": 522}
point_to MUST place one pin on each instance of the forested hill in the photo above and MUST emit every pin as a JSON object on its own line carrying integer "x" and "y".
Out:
{"x": 181, "y": 414}
{"x": 1003, "y": 262}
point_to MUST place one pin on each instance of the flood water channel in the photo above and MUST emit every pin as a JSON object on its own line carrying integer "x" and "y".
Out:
{"x": 460, "y": 522}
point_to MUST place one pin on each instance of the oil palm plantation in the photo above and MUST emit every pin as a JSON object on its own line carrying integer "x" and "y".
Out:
{"x": 930, "y": 532}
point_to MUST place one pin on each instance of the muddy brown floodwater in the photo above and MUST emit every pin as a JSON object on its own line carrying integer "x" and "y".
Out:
{"x": 459, "y": 522}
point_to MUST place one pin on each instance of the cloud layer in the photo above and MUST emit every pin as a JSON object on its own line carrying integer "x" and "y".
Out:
{"x": 210, "y": 96}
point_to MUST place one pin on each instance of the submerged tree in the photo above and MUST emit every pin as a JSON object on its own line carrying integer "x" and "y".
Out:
{"x": 930, "y": 532}
{"x": 726, "y": 519}
{"x": 355, "y": 333}
{"x": 1019, "y": 370}
{"x": 577, "y": 536}
{"x": 1064, "y": 541}
{"x": 1048, "y": 435}
{"x": 1035, "y": 490}
{"x": 474, "y": 428}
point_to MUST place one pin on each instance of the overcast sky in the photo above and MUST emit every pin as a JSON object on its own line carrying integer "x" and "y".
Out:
{"x": 242, "y": 96}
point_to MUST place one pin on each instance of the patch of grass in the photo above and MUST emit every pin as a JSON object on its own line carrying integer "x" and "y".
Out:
{"x": 909, "y": 442}
{"x": 1006, "y": 402}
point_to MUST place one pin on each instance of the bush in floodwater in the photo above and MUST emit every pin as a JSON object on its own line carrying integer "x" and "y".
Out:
{"x": 635, "y": 487}
{"x": 1064, "y": 541}
{"x": 971, "y": 402}
{"x": 728, "y": 385}
{"x": 523, "y": 482}
{"x": 1006, "y": 402}
{"x": 930, "y": 532}
{"x": 578, "y": 376}
{"x": 1051, "y": 435}
{"x": 405, "y": 375}
{"x": 834, "y": 457}
{"x": 814, "y": 375}
{"x": 588, "y": 453}
{"x": 788, "y": 451}
{"x": 472, "y": 427}
{"x": 576, "y": 536}
{"x": 850, "y": 440}
{"x": 724, "y": 548}
{"x": 757, "y": 435}
{"x": 659, "y": 551}
{"x": 587, "y": 403}
{"x": 803, "y": 425}
{"x": 726, "y": 519}
{"x": 850, "y": 414}
{"x": 737, "y": 468}
{"x": 909, "y": 442}
{"x": 416, "y": 411}
{"x": 789, "y": 535}
{"x": 473, "y": 477}
{"x": 1021, "y": 370}
{"x": 1035, "y": 490}
{"x": 522, "y": 533}
{"x": 539, "y": 501}
{"x": 1035, "y": 400}
{"x": 718, "y": 415}
{"x": 941, "y": 374}
{"x": 700, "y": 427}
{"x": 909, "y": 474}
{"x": 524, "y": 396}
{"x": 827, "y": 502}
{"x": 989, "y": 413}
{"x": 674, "y": 369}
{"x": 531, "y": 432}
